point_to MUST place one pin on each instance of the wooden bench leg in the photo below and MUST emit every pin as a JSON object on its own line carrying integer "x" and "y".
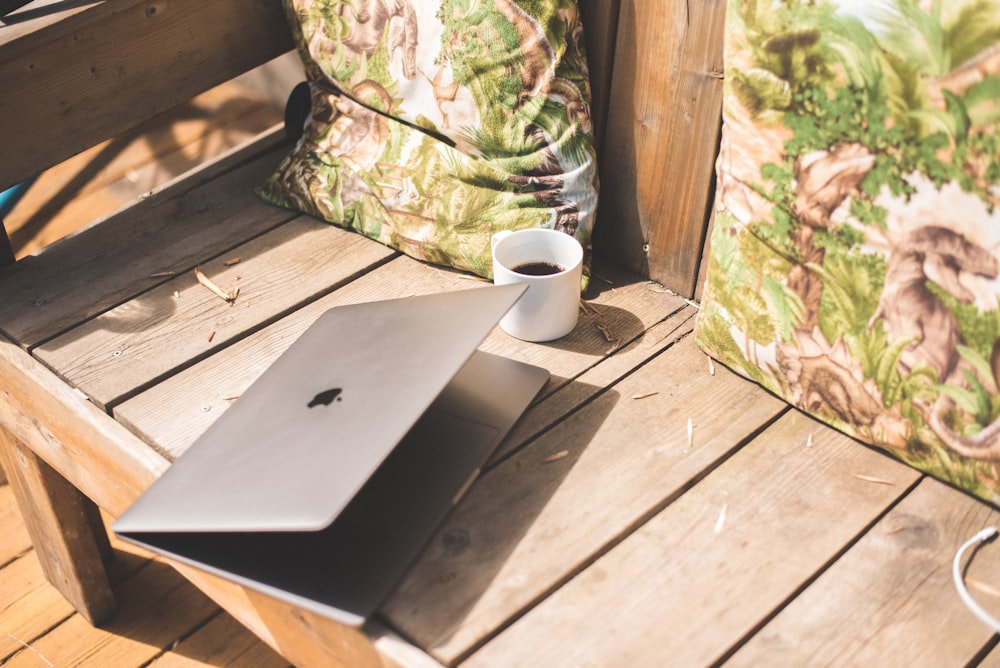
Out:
{"x": 65, "y": 528}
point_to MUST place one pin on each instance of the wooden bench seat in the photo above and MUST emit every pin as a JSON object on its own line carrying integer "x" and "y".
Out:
{"x": 649, "y": 509}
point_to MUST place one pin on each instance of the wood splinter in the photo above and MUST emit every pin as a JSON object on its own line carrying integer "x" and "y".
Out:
{"x": 868, "y": 478}
{"x": 229, "y": 298}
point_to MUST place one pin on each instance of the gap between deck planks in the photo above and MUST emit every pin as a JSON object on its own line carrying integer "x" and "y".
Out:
{"x": 700, "y": 578}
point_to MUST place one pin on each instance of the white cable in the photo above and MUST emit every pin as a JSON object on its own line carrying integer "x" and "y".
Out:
{"x": 987, "y": 534}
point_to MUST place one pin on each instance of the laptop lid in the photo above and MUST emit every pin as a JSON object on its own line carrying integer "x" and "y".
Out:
{"x": 322, "y": 482}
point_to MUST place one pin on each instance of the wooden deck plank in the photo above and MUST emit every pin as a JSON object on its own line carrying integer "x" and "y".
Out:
{"x": 41, "y": 299}
{"x": 697, "y": 577}
{"x": 181, "y": 320}
{"x": 31, "y": 607}
{"x": 892, "y": 594}
{"x": 220, "y": 643}
{"x": 531, "y": 523}
{"x": 197, "y": 395}
{"x": 158, "y": 608}
{"x": 656, "y": 338}
{"x": 78, "y": 440}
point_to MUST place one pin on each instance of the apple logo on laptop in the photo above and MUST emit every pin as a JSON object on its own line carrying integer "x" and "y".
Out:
{"x": 326, "y": 397}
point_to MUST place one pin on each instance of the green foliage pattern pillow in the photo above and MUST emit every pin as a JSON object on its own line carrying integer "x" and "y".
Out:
{"x": 435, "y": 124}
{"x": 856, "y": 250}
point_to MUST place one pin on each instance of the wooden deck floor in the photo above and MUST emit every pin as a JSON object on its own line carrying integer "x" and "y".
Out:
{"x": 163, "y": 620}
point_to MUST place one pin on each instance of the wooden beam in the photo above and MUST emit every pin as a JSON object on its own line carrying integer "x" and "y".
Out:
{"x": 57, "y": 517}
{"x": 658, "y": 153}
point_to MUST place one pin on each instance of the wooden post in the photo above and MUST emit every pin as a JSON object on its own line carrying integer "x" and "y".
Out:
{"x": 657, "y": 157}
{"x": 60, "y": 522}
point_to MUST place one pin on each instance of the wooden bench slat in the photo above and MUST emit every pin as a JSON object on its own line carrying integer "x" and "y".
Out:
{"x": 147, "y": 56}
{"x": 130, "y": 346}
{"x": 892, "y": 593}
{"x": 658, "y": 337}
{"x": 111, "y": 262}
{"x": 717, "y": 561}
{"x": 197, "y": 395}
{"x": 529, "y": 524}
{"x": 78, "y": 440}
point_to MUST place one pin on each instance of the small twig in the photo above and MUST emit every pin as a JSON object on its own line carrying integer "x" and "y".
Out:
{"x": 690, "y": 433}
{"x": 644, "y": 395}
{"x": 809, "y": 440}
{"x": 231, "y": 261}
{"x": 163, "y": 274}
{"x": 711, "y": 367}
{"x": 721, "y": 522}
{"x": 606, "y": 332}
{"x": 983, "y": 587}
{"x": 894, "y": 530}
{"x": 556, "y": 456}
{"x": 211, "y": 335}
{"x": 868, "y": 478}
{"x": 32, "y": 649}
{"x": 216, "y": 290}
{"x": 230, "y": 397}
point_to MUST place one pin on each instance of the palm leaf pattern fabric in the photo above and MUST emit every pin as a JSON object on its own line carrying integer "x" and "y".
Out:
{"x": 435, "y": 124}
{"x": 855, "y": 256}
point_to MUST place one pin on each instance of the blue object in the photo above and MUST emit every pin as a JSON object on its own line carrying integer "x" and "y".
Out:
{"x": 10, "y": 197}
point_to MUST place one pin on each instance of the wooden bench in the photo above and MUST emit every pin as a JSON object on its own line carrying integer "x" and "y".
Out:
{"x": 648, "y": 509}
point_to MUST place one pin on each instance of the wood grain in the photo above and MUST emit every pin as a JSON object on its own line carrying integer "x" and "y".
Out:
{"x": 698, "y": 576}
{"x": 658, "y": 155}
{"x": 106, "y": 264}
{"x": 892, "y": 594}
{"x": 528, "y": 525}
{"x": 221, "y": 642}
{"x": 173, "y": 413}
{"x": 130, "y": 638}
{"x": 30, "y": 604}
{"x": 147, "y": 56}
{"x": 14, "y": 539}
{"x": 79, "y": 441}
{"x": 180, "y": 321}
{"x": 56, "y": 516}
{"x": 106, "y": 177}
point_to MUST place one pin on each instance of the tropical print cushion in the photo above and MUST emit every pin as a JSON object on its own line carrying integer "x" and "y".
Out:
{"x": 855, "y": 253}
{"x": 436, "y": 124}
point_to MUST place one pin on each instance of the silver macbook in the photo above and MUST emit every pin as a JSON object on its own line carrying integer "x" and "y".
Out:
{"x": 325, "y": 479}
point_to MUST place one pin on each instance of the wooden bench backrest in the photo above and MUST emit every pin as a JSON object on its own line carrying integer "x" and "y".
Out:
{"x": 75, "y": 75}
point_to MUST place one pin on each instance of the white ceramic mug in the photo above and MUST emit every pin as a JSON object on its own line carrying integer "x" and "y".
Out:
{"x": 551, "y": 263}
